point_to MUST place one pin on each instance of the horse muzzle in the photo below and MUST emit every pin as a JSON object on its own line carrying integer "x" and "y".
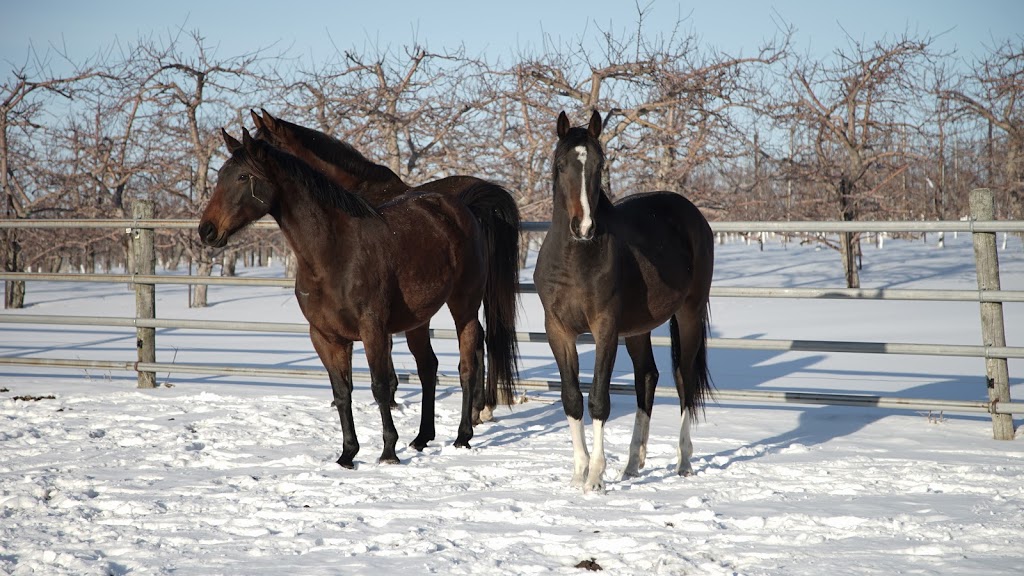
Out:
{"x": 577, "y": 231}
{"x": 210, "y": 236}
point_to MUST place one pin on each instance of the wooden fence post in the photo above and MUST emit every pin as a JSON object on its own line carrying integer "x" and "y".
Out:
{"x": 986, "y": 259}
{"x": 144, "y": 256}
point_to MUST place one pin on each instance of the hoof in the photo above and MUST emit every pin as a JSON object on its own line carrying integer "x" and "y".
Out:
{"x": 346, "y": 463}
{"x": 389, "y": 460}
{"x": 487, "y": 414}
{"x": 418, "y": 444}
{"x": 627, "y": 473}
{"x": 685, "y": 470}
{"x": 462, "y": 444}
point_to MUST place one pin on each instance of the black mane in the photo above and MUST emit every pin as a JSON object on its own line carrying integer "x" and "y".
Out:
{"x": 325, "y": 192}
{"x": 341, "y": 154}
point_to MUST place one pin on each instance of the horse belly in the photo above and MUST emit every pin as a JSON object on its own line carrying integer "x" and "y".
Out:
{"x": 422, "y": 291}
{"x": 649, "y": 304}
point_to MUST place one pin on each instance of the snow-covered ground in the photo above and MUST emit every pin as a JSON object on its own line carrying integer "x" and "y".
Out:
{"x": 214, "y": 475}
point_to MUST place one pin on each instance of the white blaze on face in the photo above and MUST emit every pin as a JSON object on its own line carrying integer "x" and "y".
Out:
{"x": 586, "y": 222}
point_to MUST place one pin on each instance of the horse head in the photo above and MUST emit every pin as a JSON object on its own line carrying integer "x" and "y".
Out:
{"x": 577, "y": 167}
{"x": 243, "y": 193}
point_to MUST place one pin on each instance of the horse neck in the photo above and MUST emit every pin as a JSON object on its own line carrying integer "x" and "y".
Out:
{"x": 315, "y": 234}
{"x": 376, "y": 191}
{"x": 380, "y": 192}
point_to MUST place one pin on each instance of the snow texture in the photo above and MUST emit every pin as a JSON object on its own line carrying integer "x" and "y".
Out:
{"x": 215, "y": 475}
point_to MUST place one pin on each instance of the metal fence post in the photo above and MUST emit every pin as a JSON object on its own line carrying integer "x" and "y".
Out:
{"x": 145, "y": 294}
{"x": 986, "y": 259}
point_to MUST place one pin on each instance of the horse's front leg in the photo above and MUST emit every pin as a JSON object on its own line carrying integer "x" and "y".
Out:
{"x": 375, "y": 344}
{"x": 336, "y": 356}
{"x": 563, "y": 348}
{"x": 606, "y": 340}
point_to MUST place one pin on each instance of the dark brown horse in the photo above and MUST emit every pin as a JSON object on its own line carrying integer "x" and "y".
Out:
{"x": 365, "y": 273}
{"x": 378, "y": 184}
{"x": 622, "y": 269}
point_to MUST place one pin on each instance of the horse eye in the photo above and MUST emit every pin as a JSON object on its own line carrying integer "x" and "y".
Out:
{"x": 242, "y": 177}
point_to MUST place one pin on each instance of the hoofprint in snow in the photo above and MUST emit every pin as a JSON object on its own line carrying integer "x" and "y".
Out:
{"x": 215, "y": 475}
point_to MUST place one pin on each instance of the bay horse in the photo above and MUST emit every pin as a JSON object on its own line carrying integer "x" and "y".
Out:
{"x": 622, "y": 269}
{"x": 365, "y": 273}
{"x": 341, "y": 163}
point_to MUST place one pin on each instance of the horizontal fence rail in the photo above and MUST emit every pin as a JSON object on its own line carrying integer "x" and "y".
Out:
{"x": 809, "y": 226}
{"x": 960, "y": 350}
{"x": 997, "y": 296}
{"x": 739, "y": 396}
{"x": 529, "y": 288}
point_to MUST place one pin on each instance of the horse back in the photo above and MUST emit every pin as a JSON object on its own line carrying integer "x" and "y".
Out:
{"x": 434, "y": 244}
{"x": 449, "y": 186}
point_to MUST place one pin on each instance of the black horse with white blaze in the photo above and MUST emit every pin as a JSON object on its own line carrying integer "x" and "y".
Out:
{"x": 622, "y": 269}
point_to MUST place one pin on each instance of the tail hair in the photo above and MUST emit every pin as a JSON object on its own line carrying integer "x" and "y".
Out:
{"x": 496, "y": 211}
{"x": 698, "y": 387}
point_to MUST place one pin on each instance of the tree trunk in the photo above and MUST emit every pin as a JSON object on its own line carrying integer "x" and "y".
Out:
{"x": 291, "y": 265}
{"x": 848, "y": 241}
{"x": 14, "y": 290}
{"x": 228, "y": 265}
{"x": 203, "y": 268}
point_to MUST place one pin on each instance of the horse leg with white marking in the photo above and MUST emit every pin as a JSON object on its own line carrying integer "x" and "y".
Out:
{"x": 689, "y": 369}
{"x": 599, "y": 400}
{"x": 646, "y": 373}
{"x": 563, "y": 348}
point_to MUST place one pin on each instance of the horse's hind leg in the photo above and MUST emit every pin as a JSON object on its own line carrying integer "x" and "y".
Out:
{"x": 646, "y": 373}
{"x": 426, "y": 367}
{"x": 392, "y": 375}
{"x": 375, "y": 344}
{"x": 337, "y": 359}
{"x": 687, "y": 339}
{"x": 470, "y": 335}
{"x": 482, "y": 412}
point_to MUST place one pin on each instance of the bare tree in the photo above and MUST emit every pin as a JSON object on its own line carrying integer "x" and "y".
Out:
{"x": 994, "y": 92}
{"x": 24, "y": 99}
{"x": 674, "y": 108}
{"x": 192, "y": 92}
{"x": 852, "y": 111}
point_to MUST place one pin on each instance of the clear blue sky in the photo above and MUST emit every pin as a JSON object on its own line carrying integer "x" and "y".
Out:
{"x": 498, "y": 29}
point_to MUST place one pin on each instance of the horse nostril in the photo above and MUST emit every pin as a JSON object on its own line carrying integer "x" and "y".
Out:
{"x": 207, "y": 232}
{"x": 574, "y": 226}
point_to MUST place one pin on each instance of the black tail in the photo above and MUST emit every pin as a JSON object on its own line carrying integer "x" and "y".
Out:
{"x": 697, "y": 385}
{"x": 498, "y": 215}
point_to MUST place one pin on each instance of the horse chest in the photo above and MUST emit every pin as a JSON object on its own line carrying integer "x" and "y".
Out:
{"x": 576, "y": 290}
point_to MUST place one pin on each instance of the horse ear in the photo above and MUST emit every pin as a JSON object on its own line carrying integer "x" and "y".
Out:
{"x": 251, "y": 145}
{"x": 232, "y": 144}
{"x": 269, "y": 121}
{"x": 256, "y": 119}
{"x": 595, "y": 125}
{"x": 563, "y": 124}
